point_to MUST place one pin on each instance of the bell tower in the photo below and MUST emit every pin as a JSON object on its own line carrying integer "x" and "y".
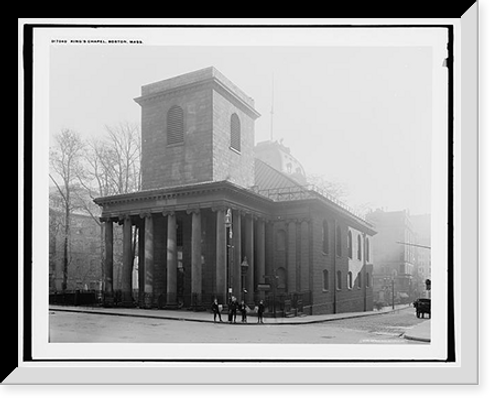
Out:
{"x": 197, "y": 127}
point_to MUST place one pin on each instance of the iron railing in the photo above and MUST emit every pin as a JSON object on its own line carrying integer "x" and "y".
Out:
{"x": 74, "y": 297}
{"x": 286, "y": 303}
{"x": 285, "y": 194}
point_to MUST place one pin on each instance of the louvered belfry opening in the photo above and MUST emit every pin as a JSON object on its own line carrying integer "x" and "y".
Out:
{"x": 175, "y": 126}
{"x": 235, "y": 132}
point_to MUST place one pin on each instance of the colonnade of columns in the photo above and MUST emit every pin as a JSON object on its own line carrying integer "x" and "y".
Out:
{"x": 229, "y": 254}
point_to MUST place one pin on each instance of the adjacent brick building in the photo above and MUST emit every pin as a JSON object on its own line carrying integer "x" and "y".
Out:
{"x": 422, "y": 271}
{"x": 84, "y": 253}
{"x": 395, "y": 255}
{"x": 215, "y": 221}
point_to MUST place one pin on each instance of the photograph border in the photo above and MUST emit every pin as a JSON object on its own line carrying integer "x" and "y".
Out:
{"x": 27, "y": 356}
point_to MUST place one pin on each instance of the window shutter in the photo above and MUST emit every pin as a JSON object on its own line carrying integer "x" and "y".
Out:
{"x": 175, "y": 126}
{"x": 235, "y": 132}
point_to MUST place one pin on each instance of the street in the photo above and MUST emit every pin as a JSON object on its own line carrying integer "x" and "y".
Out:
{"x": 68, "y": 327}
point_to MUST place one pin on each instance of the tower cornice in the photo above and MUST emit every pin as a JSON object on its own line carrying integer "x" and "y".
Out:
{"x": 210, "y": 77}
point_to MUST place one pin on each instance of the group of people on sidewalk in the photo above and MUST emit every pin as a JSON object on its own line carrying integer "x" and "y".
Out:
{"x": 233, "y": 309}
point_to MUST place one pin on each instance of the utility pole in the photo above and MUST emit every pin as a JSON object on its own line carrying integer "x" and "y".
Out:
{"x": 393, "y": 293}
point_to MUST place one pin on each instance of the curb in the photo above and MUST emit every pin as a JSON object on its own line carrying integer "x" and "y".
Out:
{"x": 177, "y": 318}
{"x": 421, "y": 334}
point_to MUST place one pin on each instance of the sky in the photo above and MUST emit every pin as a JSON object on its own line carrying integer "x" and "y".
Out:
{"x": 357, "y": 112}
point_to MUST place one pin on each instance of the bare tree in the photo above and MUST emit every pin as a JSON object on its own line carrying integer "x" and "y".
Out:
{"x": 123, "y": 167}
{"x": 336, "y": 191}
{"x": 124, "y": 157}
{"x": 334, "y": 188}
{"x": 65, "y": 163}
{"x": 112, "y": 166}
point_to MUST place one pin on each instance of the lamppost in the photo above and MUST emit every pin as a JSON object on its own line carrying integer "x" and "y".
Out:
{"x": 228, "y": 222}
{"x": 394, "y": 275}
{"x": 275, "y": 287}
{"x": 244, "y": 269}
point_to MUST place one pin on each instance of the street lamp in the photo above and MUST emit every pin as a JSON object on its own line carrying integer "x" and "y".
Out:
{"x": 228, "y": 222}
{"x": 244, "y": 269}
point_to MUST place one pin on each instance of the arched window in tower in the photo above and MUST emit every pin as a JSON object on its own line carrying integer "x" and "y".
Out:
{"x": 175, "y": 126}
{"x": 326, "y": 238}
{"x": 235, "y": 132}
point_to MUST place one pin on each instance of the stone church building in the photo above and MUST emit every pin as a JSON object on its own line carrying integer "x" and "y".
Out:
{"x": 214, "y": 220}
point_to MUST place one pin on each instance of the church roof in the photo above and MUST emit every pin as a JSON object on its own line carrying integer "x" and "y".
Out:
{"x": 279, "y": 187}
{"x": 267, "y": 177}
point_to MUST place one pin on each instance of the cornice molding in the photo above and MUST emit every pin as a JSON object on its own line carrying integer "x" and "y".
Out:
{"x": 212, "y": 83}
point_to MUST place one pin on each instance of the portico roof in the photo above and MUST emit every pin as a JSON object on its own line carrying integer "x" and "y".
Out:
{"x": 197, "y": 195}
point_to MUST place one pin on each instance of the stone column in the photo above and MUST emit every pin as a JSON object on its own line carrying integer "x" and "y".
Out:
{"x": 141, "y": 264}
{"x": 221, "y": 258}
{"x": 249, "y": 253}
{"x": 260, "y": 255}
{"x": 126, "y": 284}
{"x": 236, "y": 280}
{"x": 304, "y": 256}
{"x": 171, "y": 260}
{"x": 108, "y": 263}
{"x": 292, "y": 256}
{"x": 148, "y": 261}
{"x": 196, "y": 299}
{"x": 298, "y": 262}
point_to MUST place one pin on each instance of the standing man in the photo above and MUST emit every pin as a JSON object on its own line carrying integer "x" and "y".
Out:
{"x": 243, "y": 310}
{"x": 260, "y": 312}
{"x": 216, "y": 310}
{"x": 233, "y": 308}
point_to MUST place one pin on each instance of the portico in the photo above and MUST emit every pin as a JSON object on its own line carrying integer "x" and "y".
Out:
{"x": 184, "y": 232}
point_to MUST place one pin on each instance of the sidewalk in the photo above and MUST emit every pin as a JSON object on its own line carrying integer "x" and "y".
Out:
{"x": 420, "y": 332}
{"x": 207, "y": 316}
